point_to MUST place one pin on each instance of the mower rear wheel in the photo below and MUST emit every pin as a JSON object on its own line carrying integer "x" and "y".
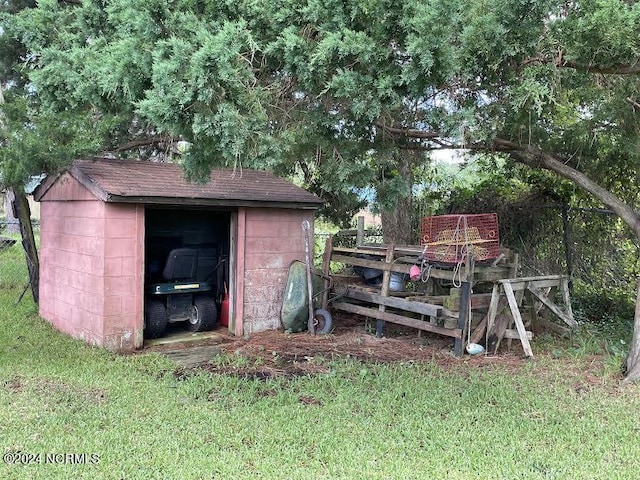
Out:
{"x": 323, "y": 321}
{"x": 155, "y": 319}
{"x": 203, "y": 314}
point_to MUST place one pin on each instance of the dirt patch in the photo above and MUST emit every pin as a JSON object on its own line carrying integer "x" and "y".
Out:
{"x": 14, "y": 384}
{"x": 54, "y": 389}
{"x": 274, "y": 354}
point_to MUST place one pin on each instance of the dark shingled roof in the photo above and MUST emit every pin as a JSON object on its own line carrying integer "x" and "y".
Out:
{"x": 136, "y": 181}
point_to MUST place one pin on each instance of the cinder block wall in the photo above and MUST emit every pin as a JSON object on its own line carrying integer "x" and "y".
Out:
{"x": 71, "y": 282}
{"x": 274, "y": 238}
{"x": 91, "y": 259}
{"x": 123, "y": 294}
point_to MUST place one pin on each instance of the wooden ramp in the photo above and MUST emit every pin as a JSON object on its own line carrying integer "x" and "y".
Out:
{"x": 189, "y": 349}
{"x": 193, "y": 355}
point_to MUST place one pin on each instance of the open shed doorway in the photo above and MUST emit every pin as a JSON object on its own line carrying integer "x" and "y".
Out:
{"x": 203, "y": 238}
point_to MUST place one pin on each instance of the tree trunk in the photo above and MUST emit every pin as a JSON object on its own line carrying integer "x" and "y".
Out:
{"x": 22, "y": 212}
{"x": 534, "y": 157}
{"x": 13, "y": 226}
{"x": 633, "y": 359}
{"x": 397, "y": 224}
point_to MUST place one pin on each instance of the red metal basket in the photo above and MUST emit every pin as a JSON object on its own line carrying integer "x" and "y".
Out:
{"x": 451, "y": 238}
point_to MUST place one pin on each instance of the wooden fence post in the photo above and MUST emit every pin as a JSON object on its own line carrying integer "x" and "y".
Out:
{"x": 386, "y": 277}
{"x": 360, "y": 232}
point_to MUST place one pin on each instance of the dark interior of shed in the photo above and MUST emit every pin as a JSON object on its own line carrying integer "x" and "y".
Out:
{"x": 205, "y": 231}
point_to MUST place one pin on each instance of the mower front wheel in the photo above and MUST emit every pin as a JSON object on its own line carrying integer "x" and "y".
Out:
{"x": 155, "y": 319}
{"x": 203, "y": 315}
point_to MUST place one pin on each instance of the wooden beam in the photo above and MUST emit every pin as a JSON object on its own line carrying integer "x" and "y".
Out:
{"x": 465, "y": 292}
{"x": 515, "y": 313}
{"x": 399, "y": 319}
{"x": 384, "y": 291}
{"x": 518, "y": 284}
{"x": 553, "y": 307}
{"x": 326, "y": 268}
{"x": 360, "y": 232}
{"x": 493, "y": 308}
{"x": 496, "y": 334}
{"x": 566, "y": 296}
{"x": 481, "y": 329}
{"x": 368, "y": 263}
{"x": 364, "y": 251}
{"x": 237, "y": 322}
{"x": 514, "y": 335}
{"x": 409, "y": 305}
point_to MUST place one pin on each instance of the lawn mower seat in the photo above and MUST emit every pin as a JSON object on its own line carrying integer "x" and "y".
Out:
{"x": 181, "y": 265}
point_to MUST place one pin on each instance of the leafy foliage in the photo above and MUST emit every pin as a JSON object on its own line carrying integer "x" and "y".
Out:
{"x": 336, "y": 92}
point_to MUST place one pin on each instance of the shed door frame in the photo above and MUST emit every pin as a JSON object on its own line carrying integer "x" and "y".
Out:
{"x": 236, "y": 271}
{"x": 235, "y": 258}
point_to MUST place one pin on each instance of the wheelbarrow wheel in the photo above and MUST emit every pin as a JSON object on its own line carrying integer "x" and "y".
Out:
{"x": 323, "y": 321}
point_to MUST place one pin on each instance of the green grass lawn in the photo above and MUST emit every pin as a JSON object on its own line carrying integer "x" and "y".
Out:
{"x": 560, "y": 416}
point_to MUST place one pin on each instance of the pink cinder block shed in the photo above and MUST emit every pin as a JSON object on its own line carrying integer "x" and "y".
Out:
{"x": 107, "y": 225}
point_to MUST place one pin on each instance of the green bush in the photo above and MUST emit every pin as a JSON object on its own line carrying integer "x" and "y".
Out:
{"x": 608, "y": 310}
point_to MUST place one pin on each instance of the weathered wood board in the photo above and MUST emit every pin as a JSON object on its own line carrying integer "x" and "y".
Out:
{"x": 192, "y": 356}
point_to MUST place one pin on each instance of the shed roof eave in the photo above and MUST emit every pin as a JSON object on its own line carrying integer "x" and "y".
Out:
{"x": 44, "y": 187}
{"x": 76, "y": 173}
{"x": 208, "y": 202}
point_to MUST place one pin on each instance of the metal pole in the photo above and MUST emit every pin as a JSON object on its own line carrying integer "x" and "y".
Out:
{"x": 567, "y": 243}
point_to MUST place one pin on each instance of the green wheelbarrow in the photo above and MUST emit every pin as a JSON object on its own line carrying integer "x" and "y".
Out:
{"x": 295, "y": 304}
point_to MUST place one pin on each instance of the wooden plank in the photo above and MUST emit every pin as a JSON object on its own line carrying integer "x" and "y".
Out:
{"x": 496, "y": 334}
{"x": 360, "y": 231}
{"x": 432, "y": 299}
{"x": 192, "y": 356}
{"x": 564, "y": 288}
{"x": 463, "y": 316}
{"x": 384, "y": 291}
{"x": 479, "y": 301}
{"x": 478, "y": 333}
{"x": 368, "y": 263}
{"x": 514, "y": 335}
{"x": 395, "y": 318}
{"x": 553, "y": 307}
{"x": 481, "y": 329}
{"x": 490, "y": 274}
{"x": 326, "y": 268}
{"x": 237, "y": 321}
{"x": 515, "y": 312}
{"x": 409, "y": 305}
{"x": 481, "y": 273}
{"x": 518, "y": 284}
{"x": 413, "y": 251}
{"x": 354, "y": 233}
{"x": 365, "y": 251}
{"x": 535, "y": 309}
{"x": 493, "y": 308}
{"x": 532, "y": 279}
{"x": 187, "y": 336}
